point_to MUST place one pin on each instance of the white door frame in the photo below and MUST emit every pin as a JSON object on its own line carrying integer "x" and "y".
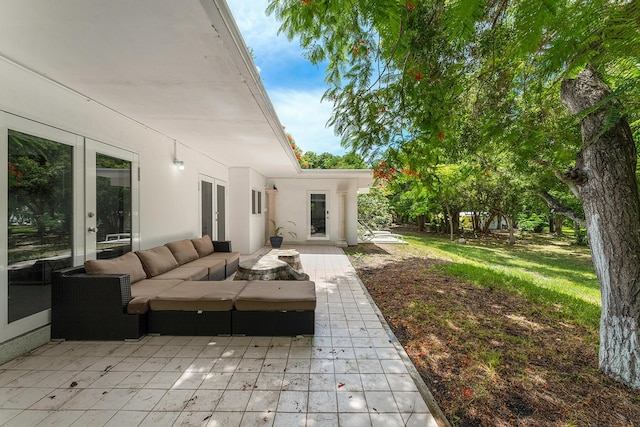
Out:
{"x": 91, "y": 148}
{"x": 327, "y": 216}
{"x": 219, "y": 183}
{"x": 214, "y": 209}
{"x": 9, "y": 121}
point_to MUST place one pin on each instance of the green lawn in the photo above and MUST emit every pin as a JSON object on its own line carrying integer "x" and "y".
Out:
{"x": 545, "y": 270}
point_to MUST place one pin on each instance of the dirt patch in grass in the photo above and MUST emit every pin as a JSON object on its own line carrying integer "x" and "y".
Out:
{"x": 490, "y": 357}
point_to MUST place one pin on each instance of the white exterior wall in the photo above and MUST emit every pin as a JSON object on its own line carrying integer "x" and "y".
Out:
{"x": 247, "y": 229}
{"x": 292, "y": 204}
{"x": 168, "y": 198}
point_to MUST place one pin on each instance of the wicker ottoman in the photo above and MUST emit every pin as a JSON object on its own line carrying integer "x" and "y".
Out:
{"x": 275, "y": 308}
{"x": 194, "y": 308}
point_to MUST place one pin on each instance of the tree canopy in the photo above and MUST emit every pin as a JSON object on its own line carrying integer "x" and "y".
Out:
{"x": 441, "y": 81}
{"x": 526, "y": 93}
{"x": 311, "y": 160}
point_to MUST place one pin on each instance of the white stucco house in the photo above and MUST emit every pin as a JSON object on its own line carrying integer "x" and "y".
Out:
{"x": 128, "y": 124}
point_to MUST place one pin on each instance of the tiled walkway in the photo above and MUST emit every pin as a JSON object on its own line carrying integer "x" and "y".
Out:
{"x": 350, "y": 373}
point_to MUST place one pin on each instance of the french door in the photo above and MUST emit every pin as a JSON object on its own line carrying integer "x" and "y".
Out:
{"x": 111, "y": 201}
{"x": 213, "y": 208}
{"x": 221, "y": 211}
{"x": 38, "y": 216}
{"x": 318, "y": 215}
{"x": 68, "y": 199}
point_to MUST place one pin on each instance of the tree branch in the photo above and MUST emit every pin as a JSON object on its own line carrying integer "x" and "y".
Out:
{"x": 570, "y": 178}
{"x": 557, "y": 208}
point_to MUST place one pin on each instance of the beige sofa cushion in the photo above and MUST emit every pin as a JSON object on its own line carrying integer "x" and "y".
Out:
{"x": 183, "y": 251}
{"x": 277, "y": 295}
{"x": 193, "y": 296}
{"x": 203, "y": 245}
{"x": 150, "y": 287}
{"x": 184, "y": 273}
{"x": 128, "y": 263}
{"x": 157, "y": 260}
{"x": 138, "y": 305}
{"x": 227, "y": 257}
{"x": 211, "y": 264}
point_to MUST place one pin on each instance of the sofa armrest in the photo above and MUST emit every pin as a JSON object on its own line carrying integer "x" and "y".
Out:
{"x": 222, "y": 246}
{"x": 97, "y": 292}
{"x": 93, "y": 307}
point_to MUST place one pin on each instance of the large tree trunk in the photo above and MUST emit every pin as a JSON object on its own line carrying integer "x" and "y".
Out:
{"x": 487, "y": 223}
{"x": 446, "y": 204}
{"x": 606, "y": 180}
{"x": 421, "y": 221}
{"x": 476, "y": 222}
{"x": 558, "y": 220}
{"x": 511, "y": 220}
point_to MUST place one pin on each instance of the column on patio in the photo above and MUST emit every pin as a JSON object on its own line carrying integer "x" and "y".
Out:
{"x": 271, "y": 193}
{"x": 342, "y": 218}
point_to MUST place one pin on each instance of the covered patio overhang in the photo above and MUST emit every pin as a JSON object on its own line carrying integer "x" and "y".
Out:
{"x": 180, "y": 68}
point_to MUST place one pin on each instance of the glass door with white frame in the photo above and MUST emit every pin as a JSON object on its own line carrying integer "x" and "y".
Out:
{"x": 39, "y": 212}
{"x": 111, "y": 201}
{"x": 213, "y": 202}
{"x": 221, "y": 211}
{"x": 318, "y": 216}
{"x": 206, "y": 208}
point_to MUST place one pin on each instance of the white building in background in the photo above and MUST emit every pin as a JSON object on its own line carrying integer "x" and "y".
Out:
{"x": 145, "y": 120}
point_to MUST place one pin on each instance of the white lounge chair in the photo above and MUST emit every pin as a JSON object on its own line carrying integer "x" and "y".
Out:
{"x": 369, "y": 235}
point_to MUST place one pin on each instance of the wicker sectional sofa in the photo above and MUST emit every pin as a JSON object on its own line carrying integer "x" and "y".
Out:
{"x": 175, "y": 289}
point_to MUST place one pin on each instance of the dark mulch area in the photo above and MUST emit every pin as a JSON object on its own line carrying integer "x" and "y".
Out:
{"x": 489, "y": 357}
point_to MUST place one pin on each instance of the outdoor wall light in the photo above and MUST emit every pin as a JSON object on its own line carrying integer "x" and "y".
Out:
{"x": 179, "y": 164}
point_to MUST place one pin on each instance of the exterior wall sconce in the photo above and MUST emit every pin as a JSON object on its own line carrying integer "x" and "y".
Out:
{"x": 179, "y": 164}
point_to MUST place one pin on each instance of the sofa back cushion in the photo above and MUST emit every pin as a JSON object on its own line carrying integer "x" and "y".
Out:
{"x": 183, "y": 251}
{"x": 157, "y": 260}
{"x": 128, "y": 263}
{"x": 203, "y": 245}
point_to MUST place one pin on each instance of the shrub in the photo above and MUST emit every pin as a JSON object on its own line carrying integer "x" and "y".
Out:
{"x": 533, "y": 222}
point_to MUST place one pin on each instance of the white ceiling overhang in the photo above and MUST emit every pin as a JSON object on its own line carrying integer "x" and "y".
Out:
{"x": 179, "y": 67}
{"x": 364, "y": 177}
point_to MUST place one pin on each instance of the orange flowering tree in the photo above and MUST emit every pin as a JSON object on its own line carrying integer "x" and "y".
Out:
{"x": 296, "y": 151}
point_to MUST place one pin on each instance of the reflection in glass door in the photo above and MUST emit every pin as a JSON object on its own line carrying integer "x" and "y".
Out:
{"x": 40, "y": 211}
{"x": 113, "y": 206}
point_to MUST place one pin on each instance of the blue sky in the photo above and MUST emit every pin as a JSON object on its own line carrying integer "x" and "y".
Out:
{"x": 293, "y": 84}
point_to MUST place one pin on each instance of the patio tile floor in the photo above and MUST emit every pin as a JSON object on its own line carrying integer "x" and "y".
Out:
{"x": 352, "y": 372}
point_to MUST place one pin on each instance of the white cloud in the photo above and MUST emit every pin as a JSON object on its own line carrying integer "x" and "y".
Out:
{"x": 304, "y": 117}
{"x": 296, "y": 100}
{"x": 260, "y": 32}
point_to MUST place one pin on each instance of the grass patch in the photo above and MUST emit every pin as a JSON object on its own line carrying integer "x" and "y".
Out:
{"x": 502, "y": 335}
{"x": 561, "y": 276}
